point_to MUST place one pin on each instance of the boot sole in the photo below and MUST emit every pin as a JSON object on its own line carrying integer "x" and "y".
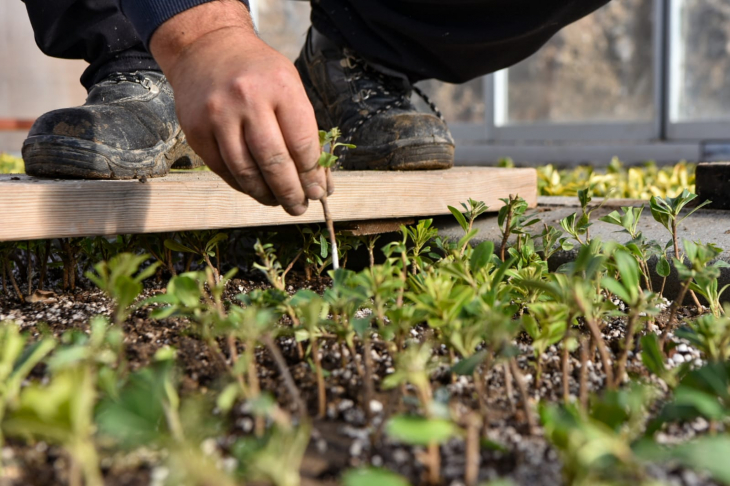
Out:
{"x": 67, "y": 157}
{"x": 433, "y": 156}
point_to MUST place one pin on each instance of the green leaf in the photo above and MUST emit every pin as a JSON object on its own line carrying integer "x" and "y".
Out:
{"x": 663, "y": 268}
{"x": 323, "y": 246}
{"x": 695, "y": 209}
{"x": 228, "y": 397}
{"x": 612, "y": 218}
{"x": 708, "y": 453}
{"x": 629, "y": 271}
{"x": 616, "y": 288}
{"x": 215, "y": 240}
{"x": 481, "y": 256}
{"x": 652, "y": 356}
{"x": 372, "y": 476}
{"x": 163, "y": 313}
{"x": 459, "y": 218}
{"x": 361, "y": 326}
{"x": 327, "y": 160}
{"x": 175, "y": 246}
{"x": 127, "y": 289}
{"x": 414, "y": 430}
{"x": 185, "y": 290}
{"x": 467, "y": 237}
{"x": 467, "y": 366}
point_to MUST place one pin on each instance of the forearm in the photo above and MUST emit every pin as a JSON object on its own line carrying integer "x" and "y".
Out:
{"x": 148, "y": 15}
{"x": 177, "y": 34}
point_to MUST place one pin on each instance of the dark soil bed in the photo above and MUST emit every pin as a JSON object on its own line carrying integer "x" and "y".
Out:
{"x": 345, "y": 437}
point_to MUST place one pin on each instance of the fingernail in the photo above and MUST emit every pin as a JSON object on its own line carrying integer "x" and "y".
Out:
{"x": 315, "y": 191}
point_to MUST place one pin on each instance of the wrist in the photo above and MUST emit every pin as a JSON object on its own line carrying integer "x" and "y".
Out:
{"x": 178, "y": 34}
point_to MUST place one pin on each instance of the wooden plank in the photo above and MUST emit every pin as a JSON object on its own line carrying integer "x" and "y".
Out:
{"x": 33, "y": 208}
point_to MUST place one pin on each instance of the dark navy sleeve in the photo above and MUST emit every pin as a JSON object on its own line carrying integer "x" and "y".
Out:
{"x": 148, "y": 15}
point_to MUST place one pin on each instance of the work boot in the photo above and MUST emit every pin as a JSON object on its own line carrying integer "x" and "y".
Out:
{"x": 372, "y": 107}
{"x": 127, "y": 129}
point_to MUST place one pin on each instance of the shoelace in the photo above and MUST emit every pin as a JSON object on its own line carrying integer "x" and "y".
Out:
{"x": 381, "y": 81}
{"x": 135, "y": 77}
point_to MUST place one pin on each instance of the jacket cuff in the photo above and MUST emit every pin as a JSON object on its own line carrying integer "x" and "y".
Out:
{"x": 147, "y": 15}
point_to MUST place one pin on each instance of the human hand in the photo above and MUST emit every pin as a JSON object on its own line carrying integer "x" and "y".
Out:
{"x": 242, "y": 105}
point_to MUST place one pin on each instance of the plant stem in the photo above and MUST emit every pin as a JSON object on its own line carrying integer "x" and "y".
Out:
{"x": 85, "y": 455}
{"x": 628, "y": 346}
{"x": 321, "y": 391}
{"x": 565, "y": 365}
{"x": 331, "y": 231}
{"x": 508, "y": 386}
{"x": 675, "y": 241}
{"x": 216, "y": 275}
{"x": 29, "y": 268}
{"x": 602, "y": 351}
{"x": 12, "y": 280}
{"x": 371, "y": 254}
{"x": 74, "y": 472}
{"x": 404, "y": 279}
{"x": 286, "y": 375}
{"x": 524, "y": 394}
{"x": 673, "y": 312}
{"x": 2, "y": 279}
{"x": 254, "y": 386}
{"x": 600, "y": 344}
{"x": 434, "y": 463}
{"x": 505, "y": 237}
{"x": 43, "y": 263}
{"x": 583, "y": 399}
{"x": 473, "y": 458}
{"x": 482, "y": 394}
{"x": 367, "y": 388}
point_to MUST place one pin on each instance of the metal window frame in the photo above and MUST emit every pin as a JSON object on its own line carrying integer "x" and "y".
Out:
{"x": 675, "y": 128}
{"x": 577, "y": 142}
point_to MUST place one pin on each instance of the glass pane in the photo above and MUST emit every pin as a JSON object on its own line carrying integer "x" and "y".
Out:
{"x": 283, "y": 24}
{"x": 599, "y": 69}
{"x": 703, "y": 62}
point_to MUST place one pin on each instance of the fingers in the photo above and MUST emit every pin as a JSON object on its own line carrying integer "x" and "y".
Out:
{"x": 266, "y": 144}
{"x": 239, "y": 165}
{"x": 299, "y": 128}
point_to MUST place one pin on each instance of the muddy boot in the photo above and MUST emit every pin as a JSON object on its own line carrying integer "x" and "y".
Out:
{"x": 126, "y": 129}
{"x": 371, "y": 105}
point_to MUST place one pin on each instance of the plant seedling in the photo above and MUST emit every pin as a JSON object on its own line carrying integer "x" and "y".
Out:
{"x": 16, "y": 362}
{"x": 667, "y": 212}
{"x": 699, "y": 268}
{"x": 473, "y": 209}
{"x": 117, "y": 278}
{"x": 512, "y": 220}
{"x": 202, "y": 243}
{"x": 640, "y": 303}
{"x": 709, "y": 334}
{"x": 327, "y": 160}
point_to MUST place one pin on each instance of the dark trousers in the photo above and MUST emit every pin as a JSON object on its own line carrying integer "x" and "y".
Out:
{"x": 94, "y": 30}
{"x": 449, "y": 40}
